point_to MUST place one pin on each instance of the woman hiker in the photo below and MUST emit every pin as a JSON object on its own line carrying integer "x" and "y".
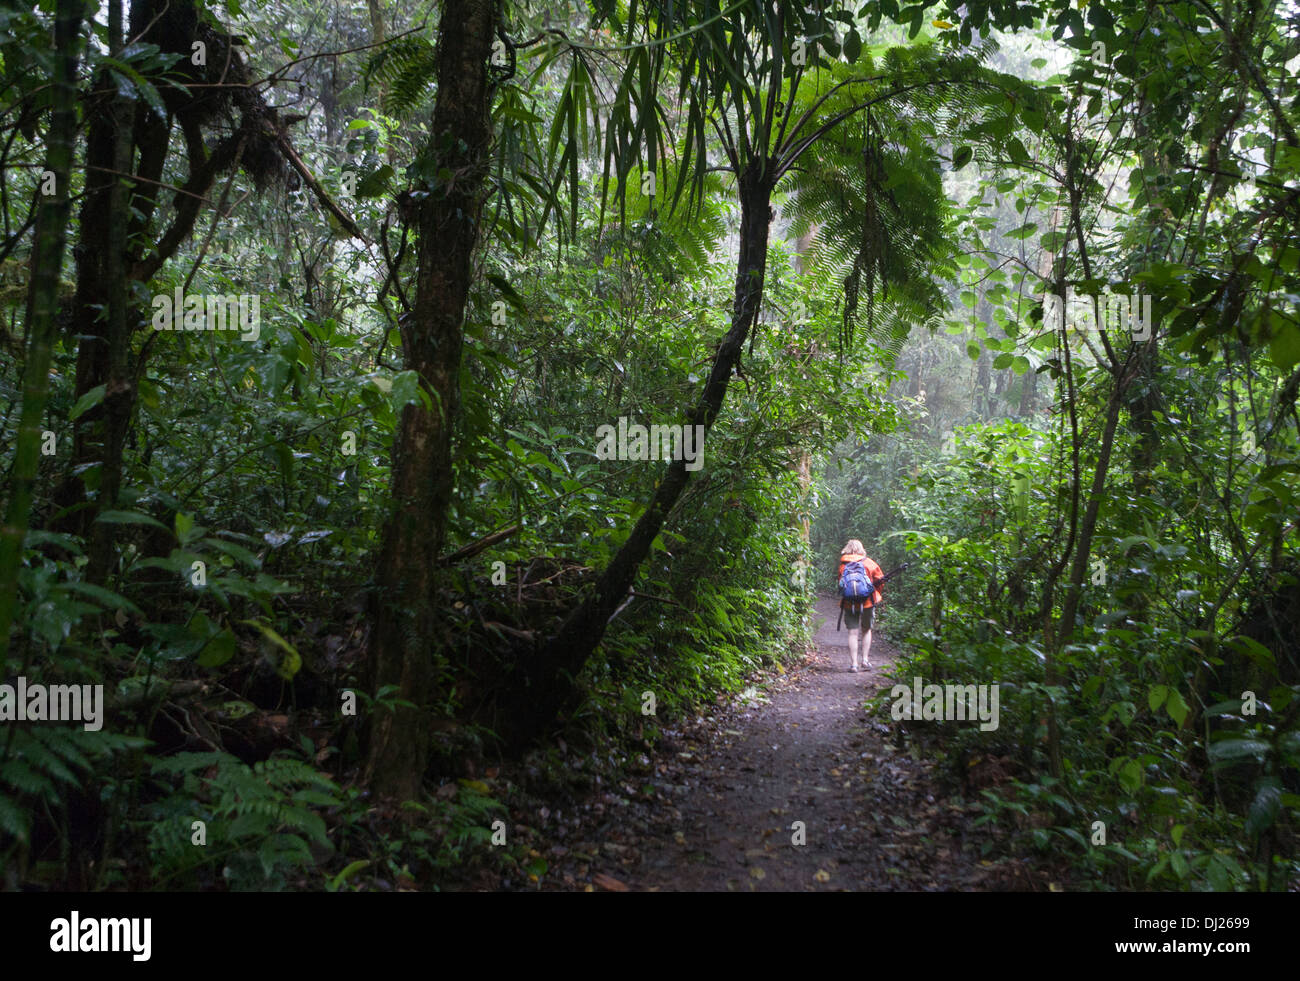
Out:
{"x": 859, "y": 614}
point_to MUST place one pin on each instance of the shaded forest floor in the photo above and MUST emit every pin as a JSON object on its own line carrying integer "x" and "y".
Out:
{"x": 714, "y": 808}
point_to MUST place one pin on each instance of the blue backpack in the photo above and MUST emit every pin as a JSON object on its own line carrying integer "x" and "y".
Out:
{"x": 855, "y": 584}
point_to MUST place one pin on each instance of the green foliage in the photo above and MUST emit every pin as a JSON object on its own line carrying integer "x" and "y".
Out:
{"x": 975, "y": 585}
{"x": 1102, "y": 524}
{"x": 402, "y": 68}
{"x": 40, "y": 767}
{"x": 260, "y": 823}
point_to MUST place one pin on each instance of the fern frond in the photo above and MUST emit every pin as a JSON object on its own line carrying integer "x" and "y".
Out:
{"x": 404, "y": 69}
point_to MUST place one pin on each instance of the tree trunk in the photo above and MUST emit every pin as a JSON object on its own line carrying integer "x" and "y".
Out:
{"x": 117, "y": 246}
{"x": 103, "y": 312}
{"x": 801, "y": 246}
{"x": 804, "y": 461}
{"x": 983, "y": 401}
{"x": 805, "y": 485}
{"x": 1146, "y": 448}
{"x": 403, "y": 649}
{"x": 1028, "y": 393}
{"x": 1029, "y": 387}
{"x": 552, "y": 673}
{"x": 1089, "y": 523}
{"x": 119, "y": 395}
{"x": 42, "y": 299}
{"x": 93, "y": 304}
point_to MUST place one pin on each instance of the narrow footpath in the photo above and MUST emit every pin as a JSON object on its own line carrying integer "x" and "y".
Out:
{"x": 797, "y": 789}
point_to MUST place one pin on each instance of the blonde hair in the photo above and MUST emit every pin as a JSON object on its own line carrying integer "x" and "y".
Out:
{"x": 853, "y": 546}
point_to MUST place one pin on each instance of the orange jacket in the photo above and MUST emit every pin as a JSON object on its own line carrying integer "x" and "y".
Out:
{"x": 874, "y": 573}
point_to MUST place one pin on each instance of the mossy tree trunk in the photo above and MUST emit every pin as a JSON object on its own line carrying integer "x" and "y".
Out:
{"x": 42, "y": 300}
{"x": 404, "y": 646}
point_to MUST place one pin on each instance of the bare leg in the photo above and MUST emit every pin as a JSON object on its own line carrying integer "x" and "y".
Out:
{"x": 853, "y": 647}
{"x": 866, "y": 648}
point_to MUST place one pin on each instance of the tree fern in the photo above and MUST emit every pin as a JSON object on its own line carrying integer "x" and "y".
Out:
{"x": 872, "y": 189}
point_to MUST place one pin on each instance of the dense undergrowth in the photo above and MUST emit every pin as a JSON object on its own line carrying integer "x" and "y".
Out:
{"x": 1176, "y": 713}
{"x": 230, "y": 632}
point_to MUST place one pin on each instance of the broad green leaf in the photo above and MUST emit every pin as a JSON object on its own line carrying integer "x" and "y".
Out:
{"x": 1179, "y": 863}
{"x": 1235, "y": 749}
{"x": 87, "y": 402}
{"x": 375, "y": 183}
{"x": 1266, "y": 806}
{"x": 184, "y": 523}
{"x": 218, "y": 650}
{"x": 1130, "y": 776}
{"x": 1176, "y": 707}
{"x": 131, "y": 518}
{"x": 110, "y": 599}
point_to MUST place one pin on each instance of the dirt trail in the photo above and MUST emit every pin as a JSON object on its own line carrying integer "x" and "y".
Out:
{"x": 738, "y": 782}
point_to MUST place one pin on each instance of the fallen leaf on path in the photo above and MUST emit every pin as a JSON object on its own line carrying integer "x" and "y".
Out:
{"x": 821, "y": 875}
{"x": 757, "y": 873}
{"x": 609, "y": 882}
